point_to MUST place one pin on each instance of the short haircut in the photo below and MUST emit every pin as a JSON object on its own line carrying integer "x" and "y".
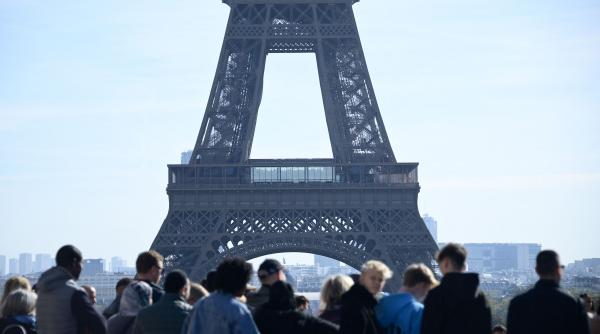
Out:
{"x": 498, "y": 329}
{"x": 301, "y": 300}
{"x": 197, "y": 292}
{"x": 146, "y": 260}
{"x": 377, "y": 266}
{"x": 175, "y": 281}
{"x": 123, "y": 282}
{"x": 233, "y": 274}
{"x": 546, "y": 262}
{"x": 455, "y": 252}
{"x": 14, "y": 283}
{"x": 418, "y": 273}
{"x": 19, "y": 302}
{"x": 68, "y": 254}
{"x": 332, "y": 290}
{"x": 210, "y": 282}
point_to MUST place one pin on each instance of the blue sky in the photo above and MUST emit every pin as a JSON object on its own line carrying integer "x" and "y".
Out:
{"x": 498, "y": 101}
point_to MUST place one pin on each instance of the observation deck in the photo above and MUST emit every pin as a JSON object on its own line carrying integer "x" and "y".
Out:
{"x": 293, "y": 173}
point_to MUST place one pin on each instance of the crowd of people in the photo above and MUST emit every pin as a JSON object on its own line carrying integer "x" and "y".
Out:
{"x": 224, "y": 303}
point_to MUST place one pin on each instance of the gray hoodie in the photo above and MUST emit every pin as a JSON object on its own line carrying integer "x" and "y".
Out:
{"x": 63, "y": 307}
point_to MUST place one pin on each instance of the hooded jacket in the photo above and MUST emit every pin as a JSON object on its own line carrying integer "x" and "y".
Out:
{"x": 457, "y": 306}
{"x": 63, "y": 307}
{"x": 400, "y": 313}
{"x": 358, "y": 312}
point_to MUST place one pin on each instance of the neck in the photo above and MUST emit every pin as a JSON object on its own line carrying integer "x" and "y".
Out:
{"x": 550, "y": 278}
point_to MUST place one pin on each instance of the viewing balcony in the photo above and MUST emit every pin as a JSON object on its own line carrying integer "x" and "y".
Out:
{"x": 298, "y": 172}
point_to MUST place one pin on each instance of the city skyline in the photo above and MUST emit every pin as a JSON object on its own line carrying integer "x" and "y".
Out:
{"x": 496, "y": 101}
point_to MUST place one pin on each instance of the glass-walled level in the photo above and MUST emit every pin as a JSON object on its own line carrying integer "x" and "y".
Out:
{"x": 294, "y": 173}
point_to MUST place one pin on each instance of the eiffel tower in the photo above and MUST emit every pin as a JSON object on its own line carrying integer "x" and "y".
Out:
{"x": 360, "y": 205}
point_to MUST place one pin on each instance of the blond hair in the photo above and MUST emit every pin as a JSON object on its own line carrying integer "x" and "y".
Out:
{"x": 14, "y": 283}
{"x": 378, "y": 267}
{"x": 19, "y": 302}
{"x": 332, "y": 290}
{"x": 418, "y": 273}
{"x": 197, "y": 292}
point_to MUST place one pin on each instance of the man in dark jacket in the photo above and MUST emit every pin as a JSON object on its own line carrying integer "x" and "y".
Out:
{"x": 280, "y": 315}
{"x": 456, "y": 305}
{"x": 63, "y": 306}
{"x": 168, "y": 314}
{"x": 149, "y": 267}
{"x": 269, "y": 272}
{"x": 113, "y": 308}
{"x": 358, "y": 303}
{"x": 546, "y": 308}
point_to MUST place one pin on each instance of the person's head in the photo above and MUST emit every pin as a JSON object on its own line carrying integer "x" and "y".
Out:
{"x": 332, "y": 290}
{"x": 14, "y": 283}
{"x": 197, "y": 292}
{"x": 149, "y": 266}
{"x": 302, "y": 303}
{"x": 452, "y": 258}
{"x": 547, "y": 265}
{"x": 136, "y": 296}
{"x": 177, "y": 282}
{"x": 232, "y": 276}
{"x": 281, "y": 297}
{"x": 588, "y": 303}
{"x": 90, "y": 291}
{"x": 69, "y": 258}
{"x": 499, "y": 329}
{"x": 270, "y": 271}
{"x": 373, "y": 275}
{"x": 19, "y": 302}
{"x": 122, "y": 284}
{"x": 418, "y": 280}
{"x": 211, "y": 281}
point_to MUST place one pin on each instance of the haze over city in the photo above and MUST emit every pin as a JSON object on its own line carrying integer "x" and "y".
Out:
{"x": 497, "y": 101}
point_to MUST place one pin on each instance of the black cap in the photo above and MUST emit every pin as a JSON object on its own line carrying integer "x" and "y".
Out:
{"x": 269, "y": 267}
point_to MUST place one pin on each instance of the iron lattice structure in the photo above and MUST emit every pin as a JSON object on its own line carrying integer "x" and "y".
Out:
{"x": 359, "y": 205}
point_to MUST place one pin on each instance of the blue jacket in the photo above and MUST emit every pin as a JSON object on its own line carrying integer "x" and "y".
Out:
{"x": 400, "y": 313}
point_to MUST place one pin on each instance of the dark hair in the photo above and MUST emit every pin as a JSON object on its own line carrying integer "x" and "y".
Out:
{"x": 66, "y": 255}
{"x": 233, "y": 274}
{"x": 125, "y": 281}
{"x": 146, "y": 260}
{"x": 301, "y": 300}
{"x": 546, "y": 262}
{"x": 210, "y": 282}
{"x": 455, "y": 252}
{"x": 175, "y": 281}
{"x": 499, "y": 328}
{"x": 281, "y": 297}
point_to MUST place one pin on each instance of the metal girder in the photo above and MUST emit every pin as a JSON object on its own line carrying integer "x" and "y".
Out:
{"x": 326, "y": 28}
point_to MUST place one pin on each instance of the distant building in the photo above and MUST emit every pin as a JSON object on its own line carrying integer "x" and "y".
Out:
{"x": 42, "y": 262}
{"x": 25, "y": 263}
{"x": 585, "y": 267}
{"x": 325, "y": 265}
{"x": 186, "y": 157}
{"x": 105, "y": 284}
{"x": 117, "y": 264}
{"x": 13, "y": 267}
{"x": 92, "y": 267}
{"x": 499, "y": 257}
{"x": 431, "y": 226}
{"x": 2, "y": 265}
